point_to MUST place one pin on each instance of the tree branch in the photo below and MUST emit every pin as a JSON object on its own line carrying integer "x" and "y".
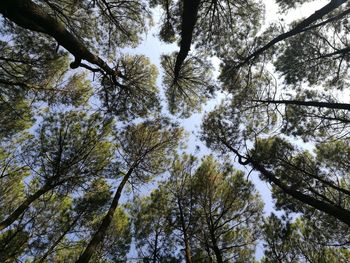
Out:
{"x": 299, "y": 28}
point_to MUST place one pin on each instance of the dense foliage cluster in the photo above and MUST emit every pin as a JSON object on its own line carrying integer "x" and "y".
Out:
{"x": 93, "y": 170}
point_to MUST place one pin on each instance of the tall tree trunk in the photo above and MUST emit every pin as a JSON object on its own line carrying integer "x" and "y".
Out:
{"x": 155, "y": 250}
{"x": 214, "y": 241}
{"x": 189, "y": 19}
{"x": 43, "y": 258}
{"x": 299, "y": 28}
{"x": 217, "y": 254}
{"x": 188, "y": 255}
{"x": 207, "y": 249}
{"x": 29, "y": 15}
{"x": 25, "y": 205}
{"x": 319, "y": 104}
{"x": 335, "y": 211}
{"x": 101, "y": 232}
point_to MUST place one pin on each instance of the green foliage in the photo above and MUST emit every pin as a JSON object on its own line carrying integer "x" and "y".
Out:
{"x": 298, "y": 241}
{"x": 231, "y": 22}
{"x": 191, "y": 89}
{"x": 12, "y": 244}
{"x": 147, "y": 148}
{"x": 116, "y": 244}
{"x": 15, "y": 114}
{"x": 137, "y": 94}
{"x": 218, "y": 22}
{"x": 314, "y": 176}
{"x": 228, "y": 207}
{"x": 153, "y": 231}
{"x": 207, "y": 210}
{"x": 69, "y": 140}
{"x": 108, "y": 24}
{"x": 70, "y": 147}
{"x": 11, "y": 178}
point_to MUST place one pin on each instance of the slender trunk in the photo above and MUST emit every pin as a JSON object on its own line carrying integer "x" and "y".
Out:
{"x": 101, "y": 232}
{"x": 59, "y": 239}
{"x": 335, "y": 211}
{"x": 215, "y": 247}
{"x": 299, "y": 28}
{"x": 207, "y": 249}
{"x": 189, "y": 19}
{"x": 25, "y": 205}
{"x": 188, "y": 255}
{"x": 217, "y": 254}
{"x": 214, "y": 242}
{"x": 29, "y": 15}
{"x": 155, "y": 250}
{"x": 319, "y": 104}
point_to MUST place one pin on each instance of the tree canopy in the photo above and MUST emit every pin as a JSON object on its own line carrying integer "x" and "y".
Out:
{"x": 94, "y": 164}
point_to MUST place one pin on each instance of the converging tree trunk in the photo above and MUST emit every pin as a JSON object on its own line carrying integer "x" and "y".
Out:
{"x": 60, "y": 238}
{"x": 319, "y": 104}
{"x": 299, "y": 28}
{"x": 215, "y": 247}
{"x": 188, "y": 255}
{"x": 189, "y": 18}
{"x": 336, "y": 211}
{"x": 29, "y": 15}
{"x": 25, "y": 205}
{"x": 101, "y": 232}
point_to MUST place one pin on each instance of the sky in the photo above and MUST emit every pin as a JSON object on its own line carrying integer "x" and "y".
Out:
{"x": 153, "y": 48}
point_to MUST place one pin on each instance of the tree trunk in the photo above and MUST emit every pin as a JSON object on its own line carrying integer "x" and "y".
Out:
{"x": 215, "y": 247}
{"x": 59, "y": 239}
{"x": 25, "y": 205}
{"x": 188, "y": 255}
{"x": 29, "y": 15}
{"x": 155, "y": 250}
{"x": 319, "y": 104}
{"x": 214, "y": 241}
{"x": 189, "y": 19}
{"x": 337, "y": 212}
{"x": 217, "y": 254}
{"x": 299, "y": 28}
{"x": 101, "y": 232}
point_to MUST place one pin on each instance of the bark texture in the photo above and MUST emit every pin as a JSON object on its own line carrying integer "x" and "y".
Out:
{"x": 189, "y": 19}
{"x": 32, "y": 16}
{"x": 101, "y": 232}
{"x": 24, "y": 206}
{"x": 304, "y": 25}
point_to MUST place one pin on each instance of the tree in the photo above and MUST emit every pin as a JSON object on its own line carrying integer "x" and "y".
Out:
{"x": 73, "y": 26}
{"x": 69, "y": 149}
{"x": 209, "y": 212}
{"x": 299, "y": 241}
{"x": 154, "y": 236}
{"x": 182, "y": 202}
{"x": 70, "y": 23}
{"x": 70, "y": 139}
{"x": 292, "y": 173}
{"x": 203, "y": 23}
{"x": 137, "y": 93}
{"x": 228, "y": 207}
{"x": 264, "y": 111}
{"x": 31, "y": 73}
{"x": 12, "y": 244}
{"x": 144, "y": 152}
{"x": 192, "y": 87}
